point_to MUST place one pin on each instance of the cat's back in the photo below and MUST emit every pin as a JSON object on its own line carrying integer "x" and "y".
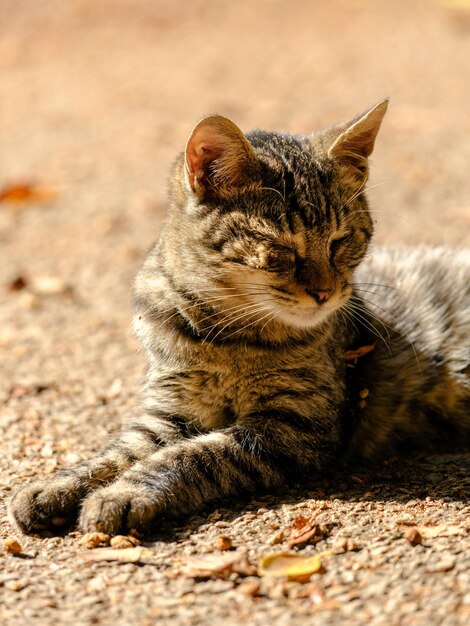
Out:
{"x": 424, "y": 291}
{"x": 415, "y": 305}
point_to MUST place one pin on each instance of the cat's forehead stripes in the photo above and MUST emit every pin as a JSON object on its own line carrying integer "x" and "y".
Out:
{"x": 305, "y": 182}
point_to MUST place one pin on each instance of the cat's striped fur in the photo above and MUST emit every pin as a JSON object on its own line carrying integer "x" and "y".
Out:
{"x": 246, "y": 307}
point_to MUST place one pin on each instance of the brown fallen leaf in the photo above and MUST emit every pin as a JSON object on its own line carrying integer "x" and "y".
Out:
{"x": 308, "y": 532}
{"x": 352, "y": 355}
{"x": 292, "y": 565}
{"x": 307, "y": 529}
{"x": 300, "y": 521}
{"x": 124, "y": 555}
{"x": 313, "y": 535}
{"x": 217, "y": 565}
{"x": 26, "y": 192}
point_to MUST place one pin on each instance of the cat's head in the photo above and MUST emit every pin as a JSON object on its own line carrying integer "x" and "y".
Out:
{"x": 279, "y": 220}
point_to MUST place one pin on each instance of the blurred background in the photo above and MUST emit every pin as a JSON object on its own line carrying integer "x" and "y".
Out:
{"x": 96, "y": 99}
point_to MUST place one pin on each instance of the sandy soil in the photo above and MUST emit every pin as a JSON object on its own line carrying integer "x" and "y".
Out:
{"x": 96, "y": 99}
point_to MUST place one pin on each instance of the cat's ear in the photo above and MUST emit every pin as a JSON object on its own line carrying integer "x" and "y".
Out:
{"x": 353, "y": 141}
{"x": 218, "y": 157}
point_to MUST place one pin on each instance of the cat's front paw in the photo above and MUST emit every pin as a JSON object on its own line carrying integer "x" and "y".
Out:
{"x": 46, "y": 505}
{"x": 119, "y": 508}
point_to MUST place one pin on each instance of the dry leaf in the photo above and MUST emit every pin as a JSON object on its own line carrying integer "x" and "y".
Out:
{"x": 292, "y": 565}
{"x": 26, "y": 192}
{"x": 307, "y": 529}
{"x": 308, "y": 532}
{"x": 217, "y": 565}
{"x": 352, "y": 355}
{"x": 124, "y": 555}
{"x": 300, "y": 521}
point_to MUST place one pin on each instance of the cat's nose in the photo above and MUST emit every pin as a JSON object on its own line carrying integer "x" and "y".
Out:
{"x": 320, "y": 295}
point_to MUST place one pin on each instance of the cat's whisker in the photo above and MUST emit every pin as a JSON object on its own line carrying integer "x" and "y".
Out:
{"x": 365, "y": 291}
{"x": 232, "y": 319}
{"x": 275, "y": 314}
{"x": 234, "y": 309}
{"x": 372, "y": 213}
{"x": 346, "y": 316}
{"x": 203, "y": 303}
{"x": 249, "y": 325}
{"x": 226, "y": 315}
{"x": 245, "y": 284}
{"x": 358, "y": 306}
{"x": 363, "y": 190}
{"x": 387, "y": 286}
{"x": 394, "y": 329}
{"x": 228, "y": 318}
{"x": 276, "y": 191}
{"x": 363, "y": 299}
{"x": 248, "y": 315}
{"x": 355, "y": 195}
{"x": 365, "y": 322}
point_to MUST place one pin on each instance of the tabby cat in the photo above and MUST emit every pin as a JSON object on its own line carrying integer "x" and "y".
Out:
{"x": 275, "y": 346}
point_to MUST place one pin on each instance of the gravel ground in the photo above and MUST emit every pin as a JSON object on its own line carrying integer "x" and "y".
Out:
{"x": 96, "y": 98}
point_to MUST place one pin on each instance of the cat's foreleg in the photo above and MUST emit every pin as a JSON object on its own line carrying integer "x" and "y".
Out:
{"x": 54, "y": 503}
{"x": 181, "y": 479}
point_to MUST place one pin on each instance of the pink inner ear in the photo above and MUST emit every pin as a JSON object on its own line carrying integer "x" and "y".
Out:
{"x": 201, "y": 150}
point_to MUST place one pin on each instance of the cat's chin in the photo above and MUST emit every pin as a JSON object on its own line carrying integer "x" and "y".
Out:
{"x": 305, "y": 319}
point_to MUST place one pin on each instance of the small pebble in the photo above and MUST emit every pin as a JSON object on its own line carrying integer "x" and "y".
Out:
{"x": 94, "y": 540}
{"x": 444, "y": 565}
{"x": 344, "y": 544}
{"x": 120, "y": 542}
{"x": 276, "y": 538}
{"x": 15, "y": 585}
{"x": 223, "y": 542}
{"x": 12, "y": 546}
{"x": 29, "y": 301}
{"x": 341, "y": 544}
{"x": 249, "y": 588}
{"x": 413, "y": 536}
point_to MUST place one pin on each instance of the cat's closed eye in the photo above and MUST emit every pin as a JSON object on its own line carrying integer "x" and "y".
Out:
{"x": 339, "y": 242}
{"x": 279, "y": 259}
